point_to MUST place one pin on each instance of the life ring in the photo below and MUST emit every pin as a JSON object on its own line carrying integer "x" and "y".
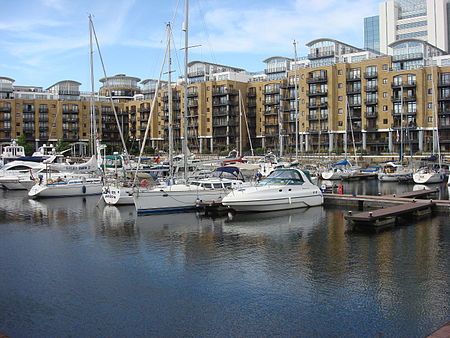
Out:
{"x": 144, "y": 183}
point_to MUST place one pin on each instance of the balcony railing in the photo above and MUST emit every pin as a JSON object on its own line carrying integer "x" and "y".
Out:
{"x": 371, "y": 115}
{"x": 320, "y": 55}
{"x": 316, "y": 79}
{"x": 371, "y": 88}
{"x": 407, "y": 84}
{"x": 370, "y": 75}
{"x": 370, "y": 101}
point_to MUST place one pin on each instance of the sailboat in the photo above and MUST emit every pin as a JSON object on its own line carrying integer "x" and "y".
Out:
{"x": 431, "y": 173}
{"x": 174, "y": 197}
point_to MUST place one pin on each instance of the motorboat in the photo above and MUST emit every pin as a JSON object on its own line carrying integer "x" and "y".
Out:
{"x": 286, "y": 188}
{"x": 11, "y": 152}
{"x": 394, "y": 172}
{"x": 13, "y": 172}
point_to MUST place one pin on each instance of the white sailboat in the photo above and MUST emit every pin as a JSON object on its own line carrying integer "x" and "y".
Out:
{"x": 431, "y": 173}
{"x": 394, "y": 172}
{"x": 175, "y": 197}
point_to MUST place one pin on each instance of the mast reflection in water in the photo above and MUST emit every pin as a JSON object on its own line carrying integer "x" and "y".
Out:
{"x": 71, "y": 268}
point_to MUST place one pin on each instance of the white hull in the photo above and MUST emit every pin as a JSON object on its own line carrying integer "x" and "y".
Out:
{"x": 271, "y": 198}
{"x": 428, "y": 178}
{"x": 11, "y": 183}
{"x": 65, "y": 189}
{"x": 332, "y": 175}
{"x": 172, "y": 199}
{"x": 118, "y": 195}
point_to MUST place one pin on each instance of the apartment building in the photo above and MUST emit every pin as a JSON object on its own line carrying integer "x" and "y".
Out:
{"x": 347, "y": 98}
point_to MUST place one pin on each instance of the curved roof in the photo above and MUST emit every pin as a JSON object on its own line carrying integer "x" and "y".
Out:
{"x": 213, "y": 64}
{"x": 309, "y": 44}
{"x": 57, "y": 83}
{"x": 277, "y": 57}
{"x": 120, "y": 76}
{"x": 398, "y": 42}
{"x": 7, "y": 78}
{"x": 151, "y": 80}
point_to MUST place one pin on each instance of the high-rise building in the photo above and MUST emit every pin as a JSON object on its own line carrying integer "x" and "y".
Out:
{"x": 372, "y": 33}
{"x": 425, "y": 20}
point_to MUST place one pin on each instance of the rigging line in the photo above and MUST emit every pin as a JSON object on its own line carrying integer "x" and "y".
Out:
{"x": 152, "y": 109}
{"x": 351, "y": 131}
{"x": 202, "y": 16}
{"x": 109, "y": 92}
{"x": 246, "y": 124}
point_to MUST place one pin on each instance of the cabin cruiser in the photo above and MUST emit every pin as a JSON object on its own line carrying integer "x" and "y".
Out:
{"x": 394, "y": 172}
{"x": 13, "y": 172}
{"x": 67, "y": 187}
{"x": 428, "y": 175}
{"x": 283, "y": 189}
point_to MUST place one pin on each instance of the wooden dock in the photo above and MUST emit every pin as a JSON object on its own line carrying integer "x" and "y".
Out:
{"x": 389, "y": 216}
{"x": 416, "y": 193}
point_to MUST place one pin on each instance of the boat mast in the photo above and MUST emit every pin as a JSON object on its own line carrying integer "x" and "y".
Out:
{"x": 296, "y": 100}
{"x": 240, "y": 124}
{"x": 436, "y": 117}
{"x": 93, "y": 126}
{"x": 401, "y": 125}
{"x": 185, "y": 127}
{"x": 170, "y": 117}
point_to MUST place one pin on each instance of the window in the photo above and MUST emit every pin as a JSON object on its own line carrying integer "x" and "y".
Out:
{"x": 385, "y": 108}
{"x": 385, "y": 94}
{"x": 385, "y": 81}
{"x": 429, "y": 77}
{"x": 340, "y": 111}
{"x": 385, "y": 67}
{"x": 430, "y": 119}
{"x": 339, "y": 98}
{"x": 430, "y": 91}
{"x": 430, "y": 105}
{"x": 340, "y": 123}
{"x": 385, "y": 121}
{"x": 340, "y": 85}
{"x": 340, "y": 72}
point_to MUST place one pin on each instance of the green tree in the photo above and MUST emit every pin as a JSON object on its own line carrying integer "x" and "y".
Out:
{"x": 27, "y": 146}
{"x": 62, "y": 145}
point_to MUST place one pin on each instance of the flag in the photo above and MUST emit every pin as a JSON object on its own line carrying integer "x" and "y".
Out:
{"x": 398, "y": 136}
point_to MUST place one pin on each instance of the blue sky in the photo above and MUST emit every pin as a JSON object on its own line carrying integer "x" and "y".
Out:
{"x": 46, "y": 41}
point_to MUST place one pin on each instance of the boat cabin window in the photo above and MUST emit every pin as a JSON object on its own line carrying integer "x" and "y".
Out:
{"x": 227, "y": 185}
{"x": 291, "y": 177}
{"x": 217, "y": 185}
{"x": 19, "y": 167}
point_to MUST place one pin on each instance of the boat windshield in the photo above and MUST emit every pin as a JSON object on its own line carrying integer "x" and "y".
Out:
{"x": 287, "y": 177}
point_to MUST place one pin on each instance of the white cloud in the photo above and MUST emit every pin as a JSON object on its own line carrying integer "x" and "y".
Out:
{"x": 273, "y": 30}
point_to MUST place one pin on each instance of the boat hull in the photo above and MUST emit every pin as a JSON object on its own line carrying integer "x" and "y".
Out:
{"x": 65, "y": 190}
{"x": 117, "y": 195}
{"x": 155, "y": 201}
{"x": 272, "y": 199}
{"x": 428, "y": 178}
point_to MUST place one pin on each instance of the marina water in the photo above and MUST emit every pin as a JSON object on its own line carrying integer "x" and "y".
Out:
{"x": 71, "y": 268}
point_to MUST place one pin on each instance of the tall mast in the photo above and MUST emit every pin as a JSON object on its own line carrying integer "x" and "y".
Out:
{"x": 296, "y": 100}
{"x": 185, "y": 127}
{"x": 240, "y": 124}
{"x": 436, "y": 119}
{"x": 93, "y": 126}
{"x": 401, "y": 124}
{"x": 170, "y": 117}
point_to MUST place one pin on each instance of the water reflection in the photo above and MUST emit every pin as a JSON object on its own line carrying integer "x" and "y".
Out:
{"x": 275, "y": 273}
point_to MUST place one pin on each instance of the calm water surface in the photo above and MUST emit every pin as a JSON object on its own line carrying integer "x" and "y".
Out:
{"x": 70, "y": 268}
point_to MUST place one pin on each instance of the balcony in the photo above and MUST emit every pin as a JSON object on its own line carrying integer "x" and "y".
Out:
{"x": 43, "y": 110}
{"x": 192, "y": 93}
{"x": 196, "y": 73}
{"x": 275, "y": 70}
{"x": 410, "y": 125}
{"x": 28, "y": 118}
{"x": 271, "y": 102}
{"x": 321, "y": 55}
{"x": 317, "y": 79}
{"x": 371, "y": 115}
{"x": 226, "y": 91}
{"x": 5, "y": 109}
{"x": 408, "y": 84}
{"x": 317, "y": 93}
{"x": 353, "y": 77}
{"x": 409, "y": 113}
{"x": 43, "y": 118}
{"x": 28, "y": 109}
{"x": 370, "y": 75}
{"x": 371, "y": 127}
{"x": 444, "y": 125}
{"x": 410, "y": 56}
{"x": 444, "y": 83}
{"x": 444, "y": 110}
{"x": 444, "y": 97}
{"x": 369, "y": 102}
{"x": 353, "y": 91}
{"x": 251, "y": 103}
{"x": 354, "y": 103}
{"x": 318, "y": 105}
{"x": 371, "y": 88}
{"x": 224, "y": 103}
{"x": 271, "y": 113}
